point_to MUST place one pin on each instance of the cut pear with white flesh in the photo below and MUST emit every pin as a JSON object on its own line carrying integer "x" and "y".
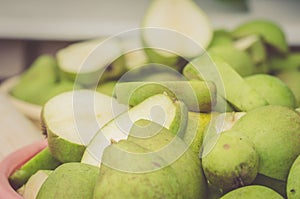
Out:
{"x": 159, "y": 108}
{"x": 177, "y": 28}
{"x": 85, "y": 62}
{"x": 72, "y": 118}
{"x": 34, "y": 184}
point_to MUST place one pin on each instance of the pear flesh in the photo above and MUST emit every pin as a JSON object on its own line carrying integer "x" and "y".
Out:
{"x": 159, "y": 108}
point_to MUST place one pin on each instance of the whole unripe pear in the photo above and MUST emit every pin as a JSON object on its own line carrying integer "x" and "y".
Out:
{"x": 275, "y": 132}
{"x": 232, "y": 162}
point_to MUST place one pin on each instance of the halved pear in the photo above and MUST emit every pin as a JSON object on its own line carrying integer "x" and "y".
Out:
{"x": 72, "y": 118}
{"x": 271, "y": 32}
{"x": 177, "y": 29}
{"x": 272, "y": 89}
{"x": 159, "y": 108}
{"x": 87, "y": 62}
{"x": 198, "y": 96}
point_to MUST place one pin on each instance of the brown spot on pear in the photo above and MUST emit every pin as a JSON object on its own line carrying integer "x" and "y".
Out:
{"x": 232, "y": 162}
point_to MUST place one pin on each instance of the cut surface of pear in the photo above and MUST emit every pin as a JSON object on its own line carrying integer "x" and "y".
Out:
{"x": 85, "y": 62}
{"x": 72, "y": 118}
{"x": 159, "y": 108}
{"x": 34, "y": 184}
{"x": 178, "y": 28}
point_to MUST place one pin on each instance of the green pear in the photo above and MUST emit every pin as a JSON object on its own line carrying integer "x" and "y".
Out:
{"x": 285, "y": 63}
{"x": 71, "y": 119}
{"x": 272, "y": 89}
{"x": 274, "y": 131}
{"x": 232, "y": 162}
{"x": 292, "y": 79}
{"x": 91, "y": 61}
{"x": 194, "y": 132}
{"x": 41, "y": 161}
{"x": 184, "y": 31}
{"x": 34, "y": 184}
{"x": 197, "y": 95}
{"x": 221, "y": 37}
{"x": 131, "y": 171}
{"x": 252, "y": 192}
{"x": 107, "y": 88}
{"x": 230, "y": 85}
{"x": 293, "y": 182}
{"x": 159, "y": 108}
{"x": 271, "y": 33}
{"x": 254, "y": 46}
{"x": 34, "y": 81}
{"x": 175, "y": 152}
{"x": 277, "y": 185}
{"x": 70, "y": 180}
{"x": 238, "y": 59}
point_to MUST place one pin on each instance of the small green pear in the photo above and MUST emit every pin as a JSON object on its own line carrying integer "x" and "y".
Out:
{"x": 292, "y": 79}
{"x": 131, "y": 171}
{"x": 41, "y": 161}
{"x": 252, "y": 192}
{"x": 70, "y": 180}
{"x": 272, "y": 89}
{"x": 293, "y": 181}
{"x": 275, "y": 132}
{"x": 232, "y": 162}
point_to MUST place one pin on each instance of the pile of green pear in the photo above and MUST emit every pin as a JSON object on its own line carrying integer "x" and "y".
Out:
{"x": 221, "y": 122}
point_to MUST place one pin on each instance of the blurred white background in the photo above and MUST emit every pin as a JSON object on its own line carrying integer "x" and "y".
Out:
{"x": 32, "y": 27}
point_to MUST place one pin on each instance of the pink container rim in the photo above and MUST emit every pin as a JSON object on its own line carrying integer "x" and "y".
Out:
{"x": 14, "y": 161}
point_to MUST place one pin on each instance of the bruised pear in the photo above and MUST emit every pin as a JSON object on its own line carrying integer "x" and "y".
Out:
{"x": 232, "y": 162}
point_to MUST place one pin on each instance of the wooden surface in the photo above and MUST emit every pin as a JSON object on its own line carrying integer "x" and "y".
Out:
{"x": 16, "y": 130}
